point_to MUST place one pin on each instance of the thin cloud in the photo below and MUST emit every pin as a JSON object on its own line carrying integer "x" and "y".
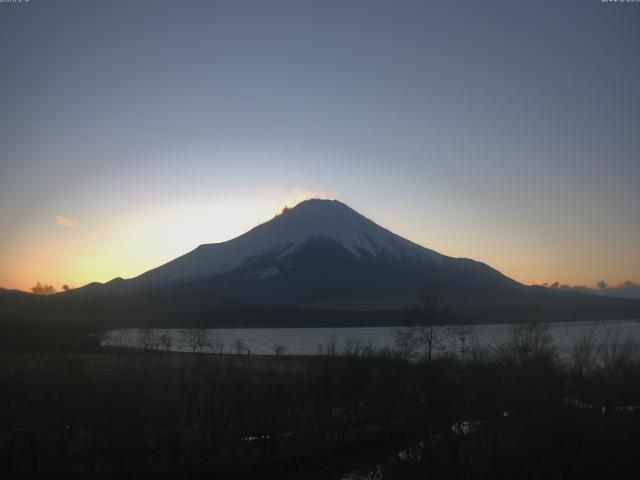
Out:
{"x": 65, "y": 221}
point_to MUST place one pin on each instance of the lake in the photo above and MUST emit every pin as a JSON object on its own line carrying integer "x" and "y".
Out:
{"x": 308, "y": 341}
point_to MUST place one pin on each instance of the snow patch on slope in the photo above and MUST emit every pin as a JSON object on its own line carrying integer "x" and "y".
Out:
{"x": 264, "y": 273}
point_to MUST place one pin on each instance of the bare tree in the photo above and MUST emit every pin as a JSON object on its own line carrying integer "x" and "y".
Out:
{"x": 239, "y": 346}
{"x": 617, "y": 356}
{"x": 279, "y": 349}
{"x": 195, "y": 338}
{"x": 527, "y": 343}
{"x": 330, "y": 348}
{"x": 425, "y": 336}
{"x": 166, "y": 341}
{"x": 584, "y": 354}
{"x": 356, "y": 347}
{"x": 217, "y": 343}
{"x": 461, "y": 334}
{"x": 148, "y": 339}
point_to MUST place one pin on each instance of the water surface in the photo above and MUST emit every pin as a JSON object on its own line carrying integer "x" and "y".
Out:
{"x": 309, "y": 341}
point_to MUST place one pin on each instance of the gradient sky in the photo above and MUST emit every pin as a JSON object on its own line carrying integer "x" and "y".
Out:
{"x": 133, "y": 131}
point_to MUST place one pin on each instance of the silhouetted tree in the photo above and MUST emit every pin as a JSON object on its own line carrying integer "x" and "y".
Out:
{"x": 195, "y": 338}
{"x": 528, "y": 343}
{"x": 40, "y": 289}
{"x": 583, "y": 355}
{"x": 461, "y": 334}
{"x": 239, "y": 346}
{"x": 148, "y": 339}
{"x": 330, "y": 348}
{"x": 425, "y": 336}
{"x": 217, "y": 343}
{"x": 165, "y": 341}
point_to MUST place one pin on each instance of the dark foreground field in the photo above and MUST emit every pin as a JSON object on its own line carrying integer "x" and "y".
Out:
{"x": 516, "y": 413}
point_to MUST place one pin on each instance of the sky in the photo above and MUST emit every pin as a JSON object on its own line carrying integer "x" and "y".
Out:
{"x": 133, "y": 131}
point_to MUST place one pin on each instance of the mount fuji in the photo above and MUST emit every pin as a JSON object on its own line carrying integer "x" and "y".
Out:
{"x": 318, "y": 250}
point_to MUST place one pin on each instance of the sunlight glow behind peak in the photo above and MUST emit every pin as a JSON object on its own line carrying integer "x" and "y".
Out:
{"x": 299, "y": 195}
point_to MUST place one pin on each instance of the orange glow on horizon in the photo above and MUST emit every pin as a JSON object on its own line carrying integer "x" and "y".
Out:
{"x": 130, "y": 243}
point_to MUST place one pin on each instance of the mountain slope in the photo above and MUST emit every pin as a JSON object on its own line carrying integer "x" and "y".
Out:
{"x": 320, "y": 249}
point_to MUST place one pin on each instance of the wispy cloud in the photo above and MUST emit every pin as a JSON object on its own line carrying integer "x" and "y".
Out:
{"x": 65, "y": 221}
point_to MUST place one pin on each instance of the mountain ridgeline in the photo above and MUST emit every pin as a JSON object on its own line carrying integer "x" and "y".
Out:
{"x": 318, "y": 250}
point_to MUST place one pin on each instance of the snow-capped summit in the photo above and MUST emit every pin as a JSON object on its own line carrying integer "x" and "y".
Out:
{"x": 310, "y": 219}
{"x": 336, "y": 221}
